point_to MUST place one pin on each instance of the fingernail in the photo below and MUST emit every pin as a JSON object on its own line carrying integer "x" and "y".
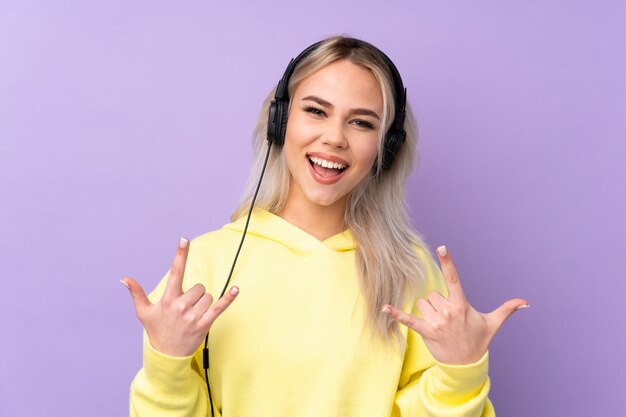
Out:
{"x": 234, "y": 291}
{"x": 442, "y": 250}
{"x": 386, "y": 310}
{"x": 182, "y": 243}
{"x": 522, "y": 307}
{"x": 124, "y": 283}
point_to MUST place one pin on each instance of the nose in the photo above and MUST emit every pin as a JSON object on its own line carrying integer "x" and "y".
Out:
{"x": 335, "y": 135}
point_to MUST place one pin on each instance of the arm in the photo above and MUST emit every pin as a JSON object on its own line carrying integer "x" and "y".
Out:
{"x": 175, "y": 323}
{"x": 429, "y": 388}
{"x": 168, "y": 386}
{"x": 445, "y": 369}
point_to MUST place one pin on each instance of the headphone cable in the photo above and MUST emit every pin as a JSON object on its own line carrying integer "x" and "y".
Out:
{"x": 205, "y": 350}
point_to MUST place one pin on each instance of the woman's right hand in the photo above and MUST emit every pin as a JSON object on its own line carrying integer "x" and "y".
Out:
{"x": 178, "y": 323}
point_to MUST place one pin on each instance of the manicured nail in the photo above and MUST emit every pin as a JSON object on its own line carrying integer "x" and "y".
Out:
{"x": 522, "y": 307}
{"x": 182, "y": 243}
{"x": 234, "y": 291}
{"x": 386, "y": 310}
{"x": 442, "y": 251}
{"x": 124, "y": 283}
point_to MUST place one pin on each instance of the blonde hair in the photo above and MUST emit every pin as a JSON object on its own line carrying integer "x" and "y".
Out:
{"x": 386, "y": 259}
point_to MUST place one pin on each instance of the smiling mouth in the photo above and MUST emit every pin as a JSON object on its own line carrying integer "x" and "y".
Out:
{"x": 326, "y": 169}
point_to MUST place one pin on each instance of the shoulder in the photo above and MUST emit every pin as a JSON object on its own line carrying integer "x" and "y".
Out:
{"x": 213, "y": 245}
{"x": 214, "y": 240}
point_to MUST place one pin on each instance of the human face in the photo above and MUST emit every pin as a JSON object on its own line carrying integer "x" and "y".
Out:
{"x": 331, "y": 141}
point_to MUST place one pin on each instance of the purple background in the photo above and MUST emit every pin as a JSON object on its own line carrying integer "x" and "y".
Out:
{"x": 124, "y": 125}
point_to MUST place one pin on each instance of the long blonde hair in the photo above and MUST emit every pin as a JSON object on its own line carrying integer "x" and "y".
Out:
{"x": 386, "y": 259}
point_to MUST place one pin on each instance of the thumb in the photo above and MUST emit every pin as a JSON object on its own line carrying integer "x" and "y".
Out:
{"x": 500, "y": 314}
{"x": 139, "y": 296}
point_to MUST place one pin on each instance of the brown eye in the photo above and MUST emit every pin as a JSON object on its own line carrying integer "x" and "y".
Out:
{"x": 314, "y": 110}
{"x": 364, "y": 124}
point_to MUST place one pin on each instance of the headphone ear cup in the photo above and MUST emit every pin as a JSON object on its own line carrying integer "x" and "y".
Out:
{"x": 272, "y": 132}
{"x": 393, "y": 140}
{"x": 277, "y": 123}
{"x": 284, "y": 115}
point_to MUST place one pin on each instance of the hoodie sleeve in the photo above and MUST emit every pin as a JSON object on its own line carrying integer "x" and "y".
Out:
{"x": 428, "y": 388}
{"x": 168, "y": 386}
{"x": 171, "y": 386}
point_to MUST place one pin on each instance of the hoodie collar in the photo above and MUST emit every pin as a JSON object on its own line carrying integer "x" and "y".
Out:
{"x": 270, "y": 226}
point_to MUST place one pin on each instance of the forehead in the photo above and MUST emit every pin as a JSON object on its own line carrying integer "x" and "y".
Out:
{"x": 343, "y": 83}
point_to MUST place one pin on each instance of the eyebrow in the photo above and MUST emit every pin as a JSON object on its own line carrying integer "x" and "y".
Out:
{"x": 360, "y": 111}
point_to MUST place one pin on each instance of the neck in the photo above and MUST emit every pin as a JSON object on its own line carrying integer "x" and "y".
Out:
{"x": 321, "y": 222}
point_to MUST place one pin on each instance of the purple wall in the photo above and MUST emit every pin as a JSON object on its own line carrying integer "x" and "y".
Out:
{"x": 124, "y": 125}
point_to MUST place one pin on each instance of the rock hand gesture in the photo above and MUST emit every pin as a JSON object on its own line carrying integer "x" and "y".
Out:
{"x": 454, "y": 332}
{"x": 177, "y": 324}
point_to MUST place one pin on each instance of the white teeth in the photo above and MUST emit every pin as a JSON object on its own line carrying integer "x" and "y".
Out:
{"x": 326, "y": 164}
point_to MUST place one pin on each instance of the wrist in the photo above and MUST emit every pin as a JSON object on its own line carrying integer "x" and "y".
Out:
{"x": 457, "y": 385}
{"x": 468, "y": 375}
{"x": 166, "y": 372}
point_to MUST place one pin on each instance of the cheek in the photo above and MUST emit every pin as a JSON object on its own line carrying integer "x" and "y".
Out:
{"x": 293, "y": 151}
{"x": 289, "y": 153}
{"x": 367, "y": 151}
{"x": 299, "y": 133}
{"x": 291, "y": 145}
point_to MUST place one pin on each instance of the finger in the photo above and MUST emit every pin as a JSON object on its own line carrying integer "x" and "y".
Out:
{"x": 193, "y": 294}
{"x": 408, "y": 320}
{"x": 222, "y": 304}
{"x": 429, "y": 313}
{"x": 203, "y": 304}
{"x": 455, "y": 290}
{"x": 140, "y": 300}
{"x": 438, "y": 301}
{"x": 498, "y": 316}
{"x": 174, "y": 285}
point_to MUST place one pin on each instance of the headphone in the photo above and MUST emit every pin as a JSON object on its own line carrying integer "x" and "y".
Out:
{"x": 279, "y": 107}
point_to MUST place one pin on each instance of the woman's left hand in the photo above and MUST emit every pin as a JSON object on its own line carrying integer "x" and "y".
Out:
{"x": 453, "y": 331}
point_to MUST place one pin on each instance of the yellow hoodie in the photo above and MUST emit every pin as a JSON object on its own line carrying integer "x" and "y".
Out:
{"x": 293, "y": 342}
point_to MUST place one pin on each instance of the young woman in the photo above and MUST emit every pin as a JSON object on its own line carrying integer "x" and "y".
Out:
{"x": 329, "y": 267}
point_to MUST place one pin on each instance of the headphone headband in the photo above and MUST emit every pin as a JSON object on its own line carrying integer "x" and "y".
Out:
{"x": 283, "y": 84}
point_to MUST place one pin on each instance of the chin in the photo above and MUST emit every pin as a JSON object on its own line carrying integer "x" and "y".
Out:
{"x": 325, "y": 200}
